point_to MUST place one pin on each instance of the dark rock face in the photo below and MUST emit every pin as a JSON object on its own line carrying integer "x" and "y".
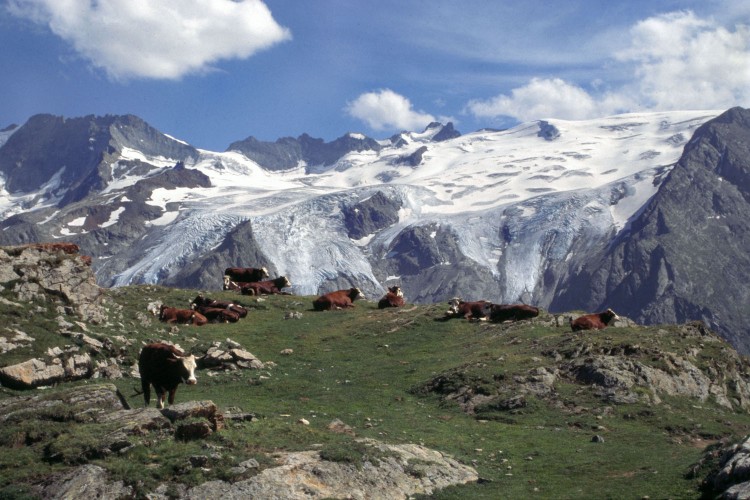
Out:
{"x": 447, "y": 132}
{"x": 429, "y": 263}
{"x": 288, "y": 153}
{"x": 79, "y": 150}
{"x": 371, "y": 215}
{"x": 686, "y": 255}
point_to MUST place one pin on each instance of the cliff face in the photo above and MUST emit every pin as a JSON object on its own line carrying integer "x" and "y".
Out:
{"x": 686, "y": 255}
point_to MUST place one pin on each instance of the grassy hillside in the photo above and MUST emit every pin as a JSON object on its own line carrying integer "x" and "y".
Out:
{"x": 399, "y": 376}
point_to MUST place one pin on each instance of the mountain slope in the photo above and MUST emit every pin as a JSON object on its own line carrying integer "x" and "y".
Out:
{"x": 686, "y": 255}
{"x": 561, "y": 214}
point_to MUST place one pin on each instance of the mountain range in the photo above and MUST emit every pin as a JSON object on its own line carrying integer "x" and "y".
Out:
{"x": 644, "y": 213}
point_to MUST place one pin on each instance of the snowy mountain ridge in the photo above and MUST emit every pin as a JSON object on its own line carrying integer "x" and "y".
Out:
{"x": 511, "y": 198}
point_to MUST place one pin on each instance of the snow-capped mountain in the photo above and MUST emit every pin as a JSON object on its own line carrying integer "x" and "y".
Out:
{"x": 503, "y": 215}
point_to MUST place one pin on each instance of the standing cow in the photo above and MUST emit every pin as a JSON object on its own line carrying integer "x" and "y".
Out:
{"x": 246, "y": 274}
{"x": 164, "y": 366}
{"x": 340, "y": 299}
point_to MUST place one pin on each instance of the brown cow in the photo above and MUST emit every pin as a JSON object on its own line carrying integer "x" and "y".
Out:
{"x": 164, "y": 367}
{"x": 218, "y": 314}
{"x": 174, "y": 315}
{"x": 201, "y": 301}
{"x": 512, "y": 312}
{"x": 246, "y": 274}
{"x": 595, "y": 321}
{"x": 394, "y": 298}
{"x": 269, "y": 287}
{"x": 339, "y": 299}
{"x": 475, "y": 310}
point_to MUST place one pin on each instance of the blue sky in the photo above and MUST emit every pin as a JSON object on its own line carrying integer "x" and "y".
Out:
{"x": 211, "y": 72}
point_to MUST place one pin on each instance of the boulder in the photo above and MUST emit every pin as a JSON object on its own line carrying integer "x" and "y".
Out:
{"x": 87, "y": 481}
{"x": 36, "y": 372}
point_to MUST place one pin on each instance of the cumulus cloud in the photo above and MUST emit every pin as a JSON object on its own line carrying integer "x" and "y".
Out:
{"x": 685, "y": 62}
{"x": 677, "y": 61}
{"x": 162, "y": 40}
{"x": 385, "y": 109}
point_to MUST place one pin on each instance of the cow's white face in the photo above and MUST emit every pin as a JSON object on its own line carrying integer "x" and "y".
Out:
{"x": 264, "y": 272}
{"x": 190, "y": 366}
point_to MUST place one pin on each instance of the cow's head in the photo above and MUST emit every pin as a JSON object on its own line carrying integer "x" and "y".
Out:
{"x": 396, "y": 290}
{"x": 264, "y": 272}
{"x": 282, "y": 282}
{"x": 609, "y": 316}
{"x": 189, "y": 364}
{"x": 356, "y": 293}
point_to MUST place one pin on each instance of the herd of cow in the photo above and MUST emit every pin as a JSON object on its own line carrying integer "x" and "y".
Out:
{"x": 164, "y": 366}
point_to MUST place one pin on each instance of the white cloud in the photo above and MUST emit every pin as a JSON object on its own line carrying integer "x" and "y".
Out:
{"x": 386, "y": 109}
{"x": 677, "y": 61}
{"x": 685, "y": 62}
{"x": 164, "y": 40}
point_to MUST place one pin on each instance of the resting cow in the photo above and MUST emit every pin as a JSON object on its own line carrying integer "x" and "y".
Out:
{"x": 174, "y": 315}
{"x": 201, "y": 301}
{"x": 512, "y": 312}
{"x": 394, "y": 298}
{"x": 269, "y": 287}
{"x": 218, "y": 314}
{"x": 595, "y": 321}
{"x": 340, "y": 299}
{"x": 164, "y": 367}
{"x": 246, "y": 274}
{"x": 475, "y": 310}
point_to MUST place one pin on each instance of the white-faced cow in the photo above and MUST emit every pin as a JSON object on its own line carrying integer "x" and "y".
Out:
{"x": 394, "y": 298}
{"x": 173, "y": 315}
{"x": 596, "y": 321}
{"x": 164, "y": 367}
{"x": 268, "y": 287}
{"x": 512, "y": 312}
{"x": 340, "y": 299}
{"x": 246, "y": 274}
{"x": 475, "y": 310}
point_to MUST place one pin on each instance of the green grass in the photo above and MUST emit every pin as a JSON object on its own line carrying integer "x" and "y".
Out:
{"x": 371, "y": 369}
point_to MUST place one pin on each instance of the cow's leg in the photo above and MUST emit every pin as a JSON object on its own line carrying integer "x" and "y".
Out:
{"x": 159, "y": 397}
{"x": 146, "y": 387}
{"x": 171, "y": 395}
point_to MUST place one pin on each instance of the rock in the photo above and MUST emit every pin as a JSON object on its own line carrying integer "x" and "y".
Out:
{"x": 14, "y": 341}
{"x": 87, "y": 481}
{"x": 190, "y": 431}
{"x": 340, "y": 427}
{"x": 196, "y": 409}
{"x": 306, "y": 475}
{"x": 89, "y": 402}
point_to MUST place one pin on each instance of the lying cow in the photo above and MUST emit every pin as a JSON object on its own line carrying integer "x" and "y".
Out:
{"x": 394, "y": 298}
{"x": 340, "y": 299}
{"x": 246, "y": 274}
{"x": 511, "y": 312}
{"x": 173, "y": 315}
{"x": 476, "y": 310}
{"x": 217, "y": 314}
{"x": 201, "y": 301}
{"x": 164, "y": 367}
{"x": 269, "y": 287}
{"x": 596, "y": 321}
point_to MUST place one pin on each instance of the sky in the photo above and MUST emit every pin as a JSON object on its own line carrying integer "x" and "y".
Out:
{"x": 211, "y": 72}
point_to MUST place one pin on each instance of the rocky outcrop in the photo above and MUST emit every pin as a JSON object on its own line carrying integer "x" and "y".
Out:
{"x": 405, "y": 470}
{"x": 369, "y": 216}
{"x": 51, "y": 275}
{"x": 729, "y": 478}
{"x": 399, "y": 471}
{"x": 36, "y": 373}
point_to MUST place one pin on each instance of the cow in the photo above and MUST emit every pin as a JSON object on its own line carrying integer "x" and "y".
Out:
{"x": 512, "y": 312}
{"x": 164, "y": 367}
{"x": 217, "y": 314}
{"x": 201, "y": 301}
{"x": 246, "y": 274}
{"x": 394, "y": 298}
{"x": 174, "y": 315}
{"x": 474, "y": 310}
{"x": 595, "y": 321}
{"x": 340, "y": 299}
{"x": 269, "y": 287}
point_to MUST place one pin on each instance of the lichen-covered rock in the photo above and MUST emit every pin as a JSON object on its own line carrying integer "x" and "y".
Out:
{"x": 87, "y": 481}
{"x": 406, "y": 470}
{"x": 36, "y": 372}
